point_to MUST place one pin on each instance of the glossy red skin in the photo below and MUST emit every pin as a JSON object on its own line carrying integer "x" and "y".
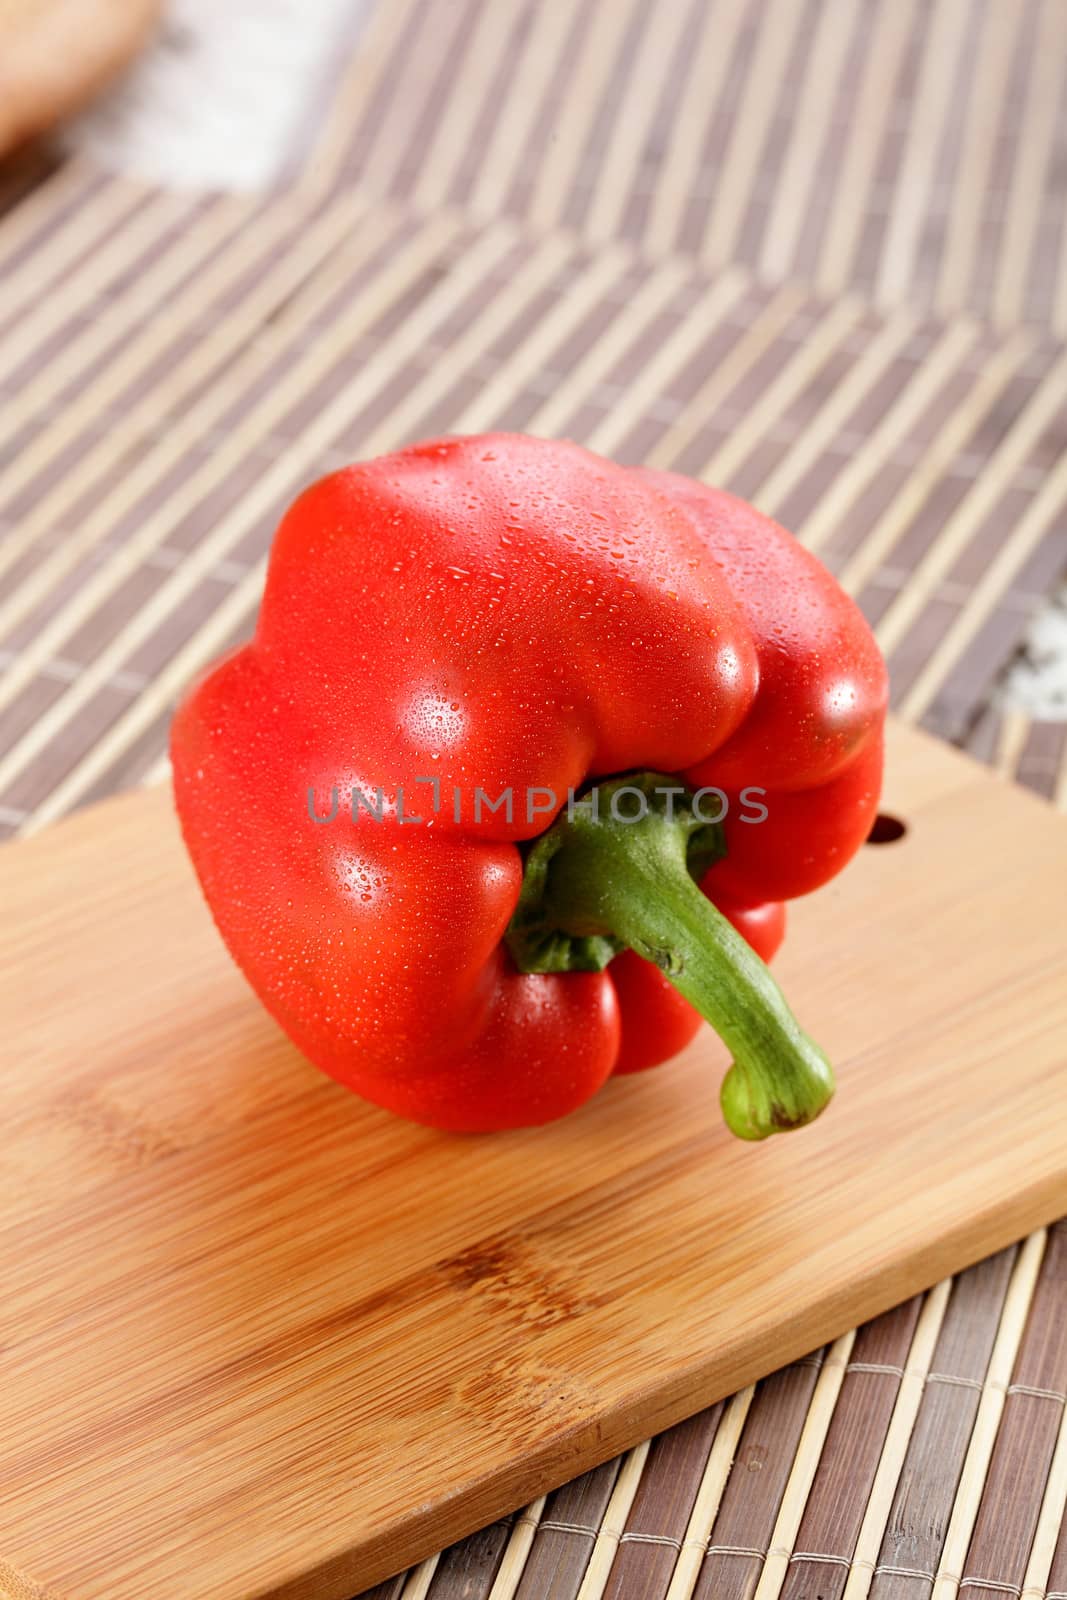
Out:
{"x": 502, "y": 611}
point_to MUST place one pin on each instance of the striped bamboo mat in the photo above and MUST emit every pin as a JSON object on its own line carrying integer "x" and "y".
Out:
{"x": 809, "y": 249}
{"x": 911, "y": 148}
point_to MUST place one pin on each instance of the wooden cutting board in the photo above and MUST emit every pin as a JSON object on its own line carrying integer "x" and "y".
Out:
{"x": 260, "y": 1339}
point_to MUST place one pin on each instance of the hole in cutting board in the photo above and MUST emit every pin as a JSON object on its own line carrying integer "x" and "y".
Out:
{"x": 886, "y": 829}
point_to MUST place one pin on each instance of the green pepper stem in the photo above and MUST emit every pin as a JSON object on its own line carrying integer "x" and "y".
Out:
{"x": 601, "y": 879}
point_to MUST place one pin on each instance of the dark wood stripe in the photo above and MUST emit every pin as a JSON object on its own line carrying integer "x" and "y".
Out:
{"x": 634, "y": 213}
{"x": 427, "y": 78}
{"x": 627, "y": 55}
{"x": 754, "y": 1490}
{"x": 466, "y": 1570}
{"x": 930, "y": 1476}
{"x": 1033, "y": 1408}
{"x": 780, "y": 130}
{"x": 566, "y": 1534}
{"x": 1044, "y": 758}
{"x": 661, "y": 1510}
{"x": 850, "y": 1456}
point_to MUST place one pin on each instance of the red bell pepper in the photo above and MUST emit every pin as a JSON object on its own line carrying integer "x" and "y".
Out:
{"x": 477, "y": 616}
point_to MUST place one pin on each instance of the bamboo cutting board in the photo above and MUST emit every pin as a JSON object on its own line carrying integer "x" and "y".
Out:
{"x": 260, "y": 1339}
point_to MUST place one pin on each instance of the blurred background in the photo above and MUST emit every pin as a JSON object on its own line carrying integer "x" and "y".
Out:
{"x": 811, "y": 250}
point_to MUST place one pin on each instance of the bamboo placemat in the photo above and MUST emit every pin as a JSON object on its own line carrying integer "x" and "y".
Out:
{"x": 911, "y": 148}
{"x": 652, "y": 236}
{"x": 144, "y": 464}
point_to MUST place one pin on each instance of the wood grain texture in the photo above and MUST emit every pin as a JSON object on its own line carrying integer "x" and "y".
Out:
{"x": 262, "y": 1339}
